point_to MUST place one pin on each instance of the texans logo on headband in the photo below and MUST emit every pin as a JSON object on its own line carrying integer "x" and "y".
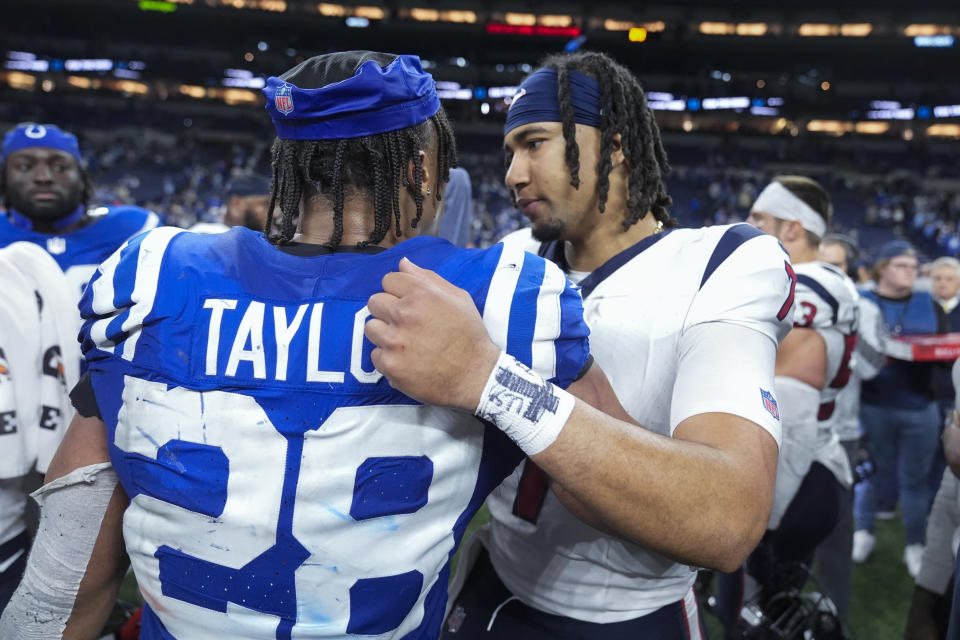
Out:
{"x": 283, "y": 99}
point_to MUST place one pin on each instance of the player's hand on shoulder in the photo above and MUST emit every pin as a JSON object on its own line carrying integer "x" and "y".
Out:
{"x": 431, "y": 342}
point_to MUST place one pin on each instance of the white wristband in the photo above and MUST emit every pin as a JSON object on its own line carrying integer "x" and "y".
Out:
{"x": 523, "y": 405}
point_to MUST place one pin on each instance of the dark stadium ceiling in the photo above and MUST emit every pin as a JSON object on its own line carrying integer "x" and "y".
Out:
{"x": 194, "y": 41}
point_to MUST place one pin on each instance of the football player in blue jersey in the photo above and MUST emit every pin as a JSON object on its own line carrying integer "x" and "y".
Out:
{"x": 47, "y": 193}
{"x": 234, "y": 438}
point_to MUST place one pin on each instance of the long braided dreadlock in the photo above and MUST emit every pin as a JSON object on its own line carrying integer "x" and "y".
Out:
{"x": 375, "y": 166}
{"x": 624, "y": 110}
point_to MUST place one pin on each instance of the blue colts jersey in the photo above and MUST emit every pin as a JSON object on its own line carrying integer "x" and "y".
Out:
{"x": 279, "y": 487}
{"x": 78, "y": 252}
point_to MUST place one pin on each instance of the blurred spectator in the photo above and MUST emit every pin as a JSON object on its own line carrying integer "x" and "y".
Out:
{"x": 897, "y": 408}
{"x": 457, "y": 218}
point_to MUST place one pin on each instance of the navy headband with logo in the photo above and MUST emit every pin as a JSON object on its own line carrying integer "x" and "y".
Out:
{"x": 376, "y": 98}
{"x": 538, "y": 101}
{"x": 30, "y": 134}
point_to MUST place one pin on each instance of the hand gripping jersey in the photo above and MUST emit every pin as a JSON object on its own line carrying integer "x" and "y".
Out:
{"x": 39, "y": 358}
{"x": 828, "y": 303}
{"x": 682, "y": 323}
{"x": 280, "y": 488}
{"x": 78, "y": 252}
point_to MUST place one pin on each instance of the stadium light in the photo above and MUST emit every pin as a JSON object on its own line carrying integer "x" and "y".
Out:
{"x": 331, "y": 10}
{"x": 555, "y": 20}
{"x": 21, "y": 81}
{"x": 425, "y": 15}
{"x": 832, "y": 127}
{"x": 873, "y": 128}
{"x": 933, "y": 41}
{"x": 520, "y": 19}
{"x": 637, "y": 34}
{"x": 370, "y": 13}
{"x": 456, "y": 15}
{"x": 718, "y": 28}
{"x": 944, "y": 130}
{"x": 193, "y": 91}
{"x": 914, "y": 30}
{"x": 818, "y": 30}
{"x": 856, "y": 30}
{"x": 752, "y": 29}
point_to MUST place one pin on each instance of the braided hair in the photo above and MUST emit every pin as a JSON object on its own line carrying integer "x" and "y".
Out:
{"x": 624, "y": 110}
{"x": 374, "y": 166}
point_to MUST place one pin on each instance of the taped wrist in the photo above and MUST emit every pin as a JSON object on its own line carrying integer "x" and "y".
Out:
{"x": 71, "y": 510}
{"x": 519, "y": 402}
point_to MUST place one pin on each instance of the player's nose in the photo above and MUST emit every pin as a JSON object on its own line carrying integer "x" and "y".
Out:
{"x": 517, "y": 176}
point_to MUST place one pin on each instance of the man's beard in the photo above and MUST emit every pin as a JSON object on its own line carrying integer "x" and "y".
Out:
{"x": 549, "y": 230}
{"x": 46, "y": 212}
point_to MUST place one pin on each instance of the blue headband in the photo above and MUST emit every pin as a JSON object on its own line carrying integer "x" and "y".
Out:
{"x": 29, "y": 135}
{"x": 537, "y": 100}
{"x": 376, "y": 99}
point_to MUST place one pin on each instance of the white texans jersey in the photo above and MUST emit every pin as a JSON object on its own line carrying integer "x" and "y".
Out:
{"x": 683, "y": 323}
{"x": 827, "y": 302}
{"x": 36, "y": 331}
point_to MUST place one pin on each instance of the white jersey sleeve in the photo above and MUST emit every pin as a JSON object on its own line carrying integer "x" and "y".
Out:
{"x": 729, "y": 341}
{"x": 828, "y": 303}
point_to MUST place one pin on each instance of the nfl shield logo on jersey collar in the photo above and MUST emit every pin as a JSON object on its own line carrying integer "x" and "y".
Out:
{"x": 283, "y": 99}
{"x": 56, "y": 245}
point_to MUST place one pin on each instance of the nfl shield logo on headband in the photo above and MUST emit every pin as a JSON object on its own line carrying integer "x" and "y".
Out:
{"x": 283, "y": 99}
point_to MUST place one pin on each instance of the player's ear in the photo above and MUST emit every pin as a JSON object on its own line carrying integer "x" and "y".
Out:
{"x": 617, "y": 157}
{"x": 425, "y": 187}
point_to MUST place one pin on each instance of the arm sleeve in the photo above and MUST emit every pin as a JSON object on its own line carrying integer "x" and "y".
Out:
{"x": 936, "y": 569}
{"x": 726, "y": 368}
{"x": 534, "y": 313}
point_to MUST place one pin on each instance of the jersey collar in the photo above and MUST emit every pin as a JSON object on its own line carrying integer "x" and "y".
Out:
{"x": 554, "y": 252}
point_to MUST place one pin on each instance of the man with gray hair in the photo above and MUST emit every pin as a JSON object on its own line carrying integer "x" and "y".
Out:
{"x": 945, "y": 275}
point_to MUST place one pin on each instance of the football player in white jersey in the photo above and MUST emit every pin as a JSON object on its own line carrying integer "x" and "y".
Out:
{"x": 39, "y": 357}
{"x": 813, "y": 365}
{"x": 833, "y": 554}
{"x": 685, "y": 323}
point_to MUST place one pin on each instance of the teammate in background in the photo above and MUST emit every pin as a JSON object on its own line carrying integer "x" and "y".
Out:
{"x": 833, "y": 555}
{"x": 457, "y": 219}
{"x": 47, "y": 192}
{"x": 39, "y": 357}
{"x": 247, "y": 200}
{"x": 585, "y": 167}
{"x": 813, "y": 365}
{"x": 278, "y": 486}
{"x": 897, "y": 408}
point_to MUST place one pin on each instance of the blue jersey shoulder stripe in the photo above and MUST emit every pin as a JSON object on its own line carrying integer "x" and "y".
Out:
{"x": 818, "y": 289}
{"x": 729, "y": 242}
{"x": 523, "y": 309}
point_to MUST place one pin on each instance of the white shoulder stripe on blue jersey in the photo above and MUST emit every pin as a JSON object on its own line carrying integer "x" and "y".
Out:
{"x": 496, "y": 310}
{"x": 102, "y": 303}
{"x": 149, "y": 259}
{"x": 548, "y": 325}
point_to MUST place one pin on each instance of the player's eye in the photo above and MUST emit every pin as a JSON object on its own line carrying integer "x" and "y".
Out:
{"x": 535, "y": 144}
